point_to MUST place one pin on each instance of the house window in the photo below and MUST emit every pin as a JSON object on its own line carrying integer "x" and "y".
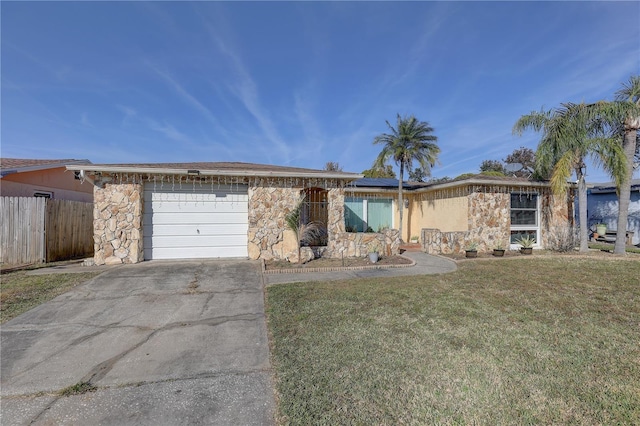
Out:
{"x": 43, "y": 194}
{"x": 525, "y": 217}
{"x": 372, "y": 214}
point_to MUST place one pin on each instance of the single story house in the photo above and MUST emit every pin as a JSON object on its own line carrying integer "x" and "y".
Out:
{"x": 202, "y": 210}
{"x": 20, "y": 177}
{"x": 448, "y": 216}
{"x": 602, "y": 207}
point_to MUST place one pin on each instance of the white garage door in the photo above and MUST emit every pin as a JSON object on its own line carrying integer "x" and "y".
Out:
{"x": 195, "y": 222}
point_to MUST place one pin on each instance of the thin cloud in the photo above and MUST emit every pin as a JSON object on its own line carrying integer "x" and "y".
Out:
{"x": 246, "y": 91}
{"x": 188, "y": 98}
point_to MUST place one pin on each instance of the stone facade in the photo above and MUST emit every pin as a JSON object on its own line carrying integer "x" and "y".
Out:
{"x": 489, "y": 222}
{"x": 268, "y": 207}
{"x": 269, "y": 237}
{"x": 357, "y": 244}
{"x": 117, "y": 224}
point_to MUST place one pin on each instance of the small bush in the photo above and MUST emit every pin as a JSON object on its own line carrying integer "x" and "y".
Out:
{"x": 563, "y": 239}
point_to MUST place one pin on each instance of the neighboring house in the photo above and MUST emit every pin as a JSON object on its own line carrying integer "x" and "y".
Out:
{"x": 602, "y": 207}
{"x": 447, "y": 216}
{"x": 43, "y": 178}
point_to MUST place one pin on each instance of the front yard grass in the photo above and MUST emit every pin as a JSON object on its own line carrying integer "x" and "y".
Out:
{"x": 20, "y": 292}
{"x": 536, "y": 340}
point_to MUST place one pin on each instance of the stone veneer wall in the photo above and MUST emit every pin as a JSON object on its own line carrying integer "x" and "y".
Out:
{"x": 489, "y": 223}
{"x": 356, "y": 244}
{"x": 117, "y": 224}
{"x": 556, "y": 216}
{"x": 268, "y": 207}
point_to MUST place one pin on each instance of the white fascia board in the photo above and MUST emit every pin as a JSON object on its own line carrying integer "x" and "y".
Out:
{"x": 213, "y": 172}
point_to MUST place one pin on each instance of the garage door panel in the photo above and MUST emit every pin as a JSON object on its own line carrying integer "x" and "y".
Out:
{"x": 194, "y": 218}
{"x": 200, "y": 206}
{"x": 167, "y": 241}
{"x": 195, "y": 252}
{"x": 191, "y": 223}
{"x": 196, "y": 229}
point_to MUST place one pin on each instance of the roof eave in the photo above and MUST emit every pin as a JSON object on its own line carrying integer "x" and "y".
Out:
{"x": 35, "y": 168}
{"x": 467, "y": 182}
{"x": 214, "y": 172}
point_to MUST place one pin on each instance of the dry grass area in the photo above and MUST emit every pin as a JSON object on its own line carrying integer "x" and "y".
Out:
{"x": 20, "y": 292}
{"x": 336, "y": 263}
{"x": 536, "y": 339}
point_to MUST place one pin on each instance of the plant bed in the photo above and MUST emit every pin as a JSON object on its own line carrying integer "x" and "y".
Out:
{"x": 336, "y": 263}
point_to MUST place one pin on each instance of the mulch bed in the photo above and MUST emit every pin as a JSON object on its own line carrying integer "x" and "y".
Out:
{"x": 337, "y": 263}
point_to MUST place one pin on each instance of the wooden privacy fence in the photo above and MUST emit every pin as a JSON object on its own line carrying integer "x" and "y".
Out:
{"x": 43, "y": 230}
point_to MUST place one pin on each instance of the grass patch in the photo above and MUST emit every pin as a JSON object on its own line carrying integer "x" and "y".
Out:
{"x": 20, "y": 292}
{"x": 609, "y": 247}
{"x": 78, "y": 389}
{"x": 521, "y": 341}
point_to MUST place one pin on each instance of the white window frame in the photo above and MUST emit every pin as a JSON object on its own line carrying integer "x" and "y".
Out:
{"x": 535, "y": 227}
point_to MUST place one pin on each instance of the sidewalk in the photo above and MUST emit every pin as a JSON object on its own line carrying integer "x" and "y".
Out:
{"x": 425, "y": 265}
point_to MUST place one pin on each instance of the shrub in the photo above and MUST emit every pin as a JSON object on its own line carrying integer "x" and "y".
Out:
{"x": 563, "y": 239}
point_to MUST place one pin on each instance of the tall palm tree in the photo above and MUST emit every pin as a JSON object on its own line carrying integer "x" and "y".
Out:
{"x": 628, "y": 99}
{"x": 411, "y": 140}
{"x": 568, "y": 137}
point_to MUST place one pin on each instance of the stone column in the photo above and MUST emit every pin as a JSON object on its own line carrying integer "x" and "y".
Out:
{"x": 117, "y": 224}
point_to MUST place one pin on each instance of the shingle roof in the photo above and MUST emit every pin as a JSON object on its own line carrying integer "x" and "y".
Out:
{"x": 21, "y": 165}
{"x": 18, "y": 163}
{"x": 227, "y": 168}
{"x": 379, "y": 183}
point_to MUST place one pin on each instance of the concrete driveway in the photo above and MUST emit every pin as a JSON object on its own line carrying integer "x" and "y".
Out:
{"x": 162, "y": 342}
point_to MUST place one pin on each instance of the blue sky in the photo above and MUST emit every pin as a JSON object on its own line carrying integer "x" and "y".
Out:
{"x": 299, "y": 83}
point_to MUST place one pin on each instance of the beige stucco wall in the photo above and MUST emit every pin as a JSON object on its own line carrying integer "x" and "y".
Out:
{"x": 446, "y": 214}
{"x": 58, "y": 181}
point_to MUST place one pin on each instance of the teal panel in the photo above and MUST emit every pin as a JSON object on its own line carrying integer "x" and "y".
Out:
{"x": 353, "y": 214}
{"x": 380, "y": 214}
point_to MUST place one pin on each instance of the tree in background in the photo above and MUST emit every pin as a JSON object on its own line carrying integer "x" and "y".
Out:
{"x": 439, "y": 180}
{"x": 492, "y": 166}
{"x": 331, "y": 166}
{"x": 411, "y": 140}
{"x": 522, "y": 155}
{"x": 569, "y": 135}
{"x": 383, "y": 172}
{"x": 417, "y": 175}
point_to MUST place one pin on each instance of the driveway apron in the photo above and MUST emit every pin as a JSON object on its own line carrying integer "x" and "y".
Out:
{"x": 153, "y": 343}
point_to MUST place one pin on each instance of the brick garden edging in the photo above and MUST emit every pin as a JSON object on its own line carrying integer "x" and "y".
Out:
{"x": 335, "y": 268}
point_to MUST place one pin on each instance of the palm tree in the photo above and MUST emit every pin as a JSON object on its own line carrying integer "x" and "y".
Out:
{"x": 569, "y": 136}
{"x": 628, "y": 101}
{"x": 411, "y": 140}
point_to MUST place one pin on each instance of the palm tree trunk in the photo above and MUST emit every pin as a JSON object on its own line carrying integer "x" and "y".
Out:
{"x": 400, "y": 200}
{"x": 624, "y": 197}
{"x": 582, "y": 208}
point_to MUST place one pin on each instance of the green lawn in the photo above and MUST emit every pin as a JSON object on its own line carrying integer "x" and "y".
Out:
{"x": 20, "y": 292}
{"x": 512, "y": 341}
